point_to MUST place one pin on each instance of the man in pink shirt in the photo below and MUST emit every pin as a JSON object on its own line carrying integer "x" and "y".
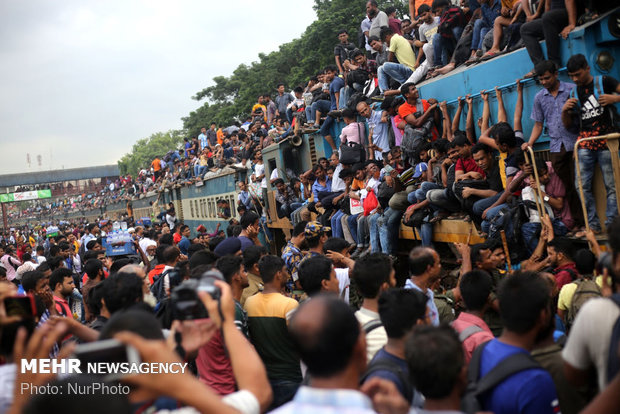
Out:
{"x": 473, "y": 331}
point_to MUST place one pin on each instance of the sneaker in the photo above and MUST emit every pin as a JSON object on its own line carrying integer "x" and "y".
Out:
{"x": 380, "y": 97}
{"x": 335, "y": 114}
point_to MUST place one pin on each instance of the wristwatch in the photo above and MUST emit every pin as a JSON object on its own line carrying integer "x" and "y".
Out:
{"x": 546, "y": 198}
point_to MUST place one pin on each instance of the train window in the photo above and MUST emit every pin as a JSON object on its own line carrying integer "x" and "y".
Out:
{"x": 203, "y": 208}
{"x": 191, "y": 208}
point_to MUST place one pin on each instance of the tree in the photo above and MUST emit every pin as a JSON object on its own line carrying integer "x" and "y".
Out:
{"x": 146, "y": 149}
{"x": 230, "y": 98}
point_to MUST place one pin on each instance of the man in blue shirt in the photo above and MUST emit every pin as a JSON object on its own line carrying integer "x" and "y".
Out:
{"x": 425, "y": 268}
{"x": 184, "y": 243}
{"x": 525, "y": 323}
{"x": 335, "y": 84}
{"x": 203, "y": 138}
{"x": 547, "y": 110}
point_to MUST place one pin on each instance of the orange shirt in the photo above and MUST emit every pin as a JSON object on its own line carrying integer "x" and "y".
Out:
{"x": 156, "y": 164}
{"x": 220, "y": 136}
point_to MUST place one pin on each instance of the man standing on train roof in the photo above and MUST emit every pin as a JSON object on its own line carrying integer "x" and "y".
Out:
{"x": 590, "y": 110}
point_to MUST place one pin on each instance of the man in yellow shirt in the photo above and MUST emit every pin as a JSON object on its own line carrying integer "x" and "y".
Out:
{"x": 259, "y": 112}
{"x": 399, "y": 48}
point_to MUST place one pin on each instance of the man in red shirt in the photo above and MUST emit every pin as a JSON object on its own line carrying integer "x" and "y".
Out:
{"x": 472, "y": 329}
{"x": 62, "y": 285}
{"x": 561, "y": 252}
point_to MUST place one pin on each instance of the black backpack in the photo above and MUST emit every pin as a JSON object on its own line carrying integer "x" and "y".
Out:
{"x": 157, "y": 288}
{"x": 477, "y": 387}
{"x": 394, "y": 368}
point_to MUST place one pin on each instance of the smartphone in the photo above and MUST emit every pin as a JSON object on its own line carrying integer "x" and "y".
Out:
{"x": 108, "y": 351}
{"x": 22, "y": 306}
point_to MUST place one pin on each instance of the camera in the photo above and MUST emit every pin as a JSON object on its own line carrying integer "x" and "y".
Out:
{"x": 186, "y": 305}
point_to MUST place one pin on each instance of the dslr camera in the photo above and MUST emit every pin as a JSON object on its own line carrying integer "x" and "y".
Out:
{"x": 186, "y": 305}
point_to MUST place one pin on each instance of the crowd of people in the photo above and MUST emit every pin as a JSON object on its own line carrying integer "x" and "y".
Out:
{"x": 313, "y": 328}
{"x": 340, "y": 319}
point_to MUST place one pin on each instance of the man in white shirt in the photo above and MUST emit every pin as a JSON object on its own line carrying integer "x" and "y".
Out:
{"x": 372, "y": 275}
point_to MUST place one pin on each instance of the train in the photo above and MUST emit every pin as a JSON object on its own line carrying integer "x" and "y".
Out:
{"x": 195, "y": 204}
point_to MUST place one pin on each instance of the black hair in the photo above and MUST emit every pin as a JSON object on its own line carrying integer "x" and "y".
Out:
{"x": 122, "y": 290}
{"x": 423, "y": 9}
{"x": 194, "y": 248}
{"x": 460, "y": 141}
{"x": 167, "y": 238}
{"x": 171, "y": 253}
{"x": 356, "y": 53}
{"x": 373, "y": 39}
{"x": 519, "y": 315}
{"x": 43, "y": 267}
{"x": 91, "y": 244}
{"x": 229, "y": 265}
{"x": 278, "y": 181}
{"x": 298, "y": 89}
{"x": 58, "y": 276}
{"x": 440, "y": 3}
{"x": 268, "y": 266}
{"x": 336, "y": 244}
{"x": 476, "y": 286}
{"x": 30, "y": 279}
{"x": 475, "y": 253}
{"x": 137, "y": 321}
{"x": 482, "y": 147}
{"x": 348, "y": 113}
{"x": 279, "y": 84}
{"x": 299, "y": 228}
{"x": 328, "y": 348}
{"x": 93, "y": 299}
{"x": 585, "y": 261}
{"x": 503, "y": 132}
{"x": 252, "y": 255}
{"x": 564, "y": 246}
{"x": 346, "y": 172}
{"x": 385, "y": 32}
{"x": 40, "y": 249}
{"x": 576, "y": 62}
{"x": 92, "y": 268}
{"x": 331, "y": 68}
{"x": 435, "y": 359}
{"x": 420, "y": 258}
{"x": 441, "y": 145}
{"x": 400, "y": 310}
{"x": 389, "y": 10}
{"x": 613, "y": 235}
{"x": 545, "y": 66}
{"x": 54, "y": 250}
{"x": 248, "y": 219}
{"x": 370, "y": 272}
{"x": 341, "y": 31}
{"x": 312, "y": 272}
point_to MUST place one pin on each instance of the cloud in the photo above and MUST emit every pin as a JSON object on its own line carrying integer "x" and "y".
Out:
{"x": 84, "y": 80}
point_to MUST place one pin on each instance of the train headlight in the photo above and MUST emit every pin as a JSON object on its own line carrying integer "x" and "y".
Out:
{"x": 604, "y": 61}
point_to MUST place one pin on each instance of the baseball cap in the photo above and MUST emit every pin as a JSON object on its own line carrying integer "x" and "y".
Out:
{"x": 314, "y": 228}
{"x": 420, "y": 169}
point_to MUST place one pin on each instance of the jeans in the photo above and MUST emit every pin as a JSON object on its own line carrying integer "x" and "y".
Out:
{"x": 389, "y": 225}
{"x": 549, "y": 28}
{"x": 336, "y": 224}
{"x": 444, "y": 46}
{"x": 286, "y": 210}
{"x": 322, "y": 106}
{"x": 480, "y": 30}
{"x": 199, "y": 170}
{"x": 289, "y": 115}
{"x": 419, "y": 195}
{"x": 396, "y": 71}
{"x": 375, "y": 243}
{"x": 529, "y": 232}
{"x": 443, "y": 200}
{"x": 352, "y": 224}
{"x": 426, "y": 234}
{"x": 362, "y": 231}
{"x": 283, "y": 392}
{"x": 345, "y": 93}
{"x": 587, "y": 160}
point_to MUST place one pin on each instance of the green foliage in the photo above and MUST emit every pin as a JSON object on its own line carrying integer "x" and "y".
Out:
{"x": 230, "y": 98}
{"x": 146, "y": 149}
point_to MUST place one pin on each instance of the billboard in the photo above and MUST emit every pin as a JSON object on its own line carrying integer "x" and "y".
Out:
{"x": 25, "y": 195}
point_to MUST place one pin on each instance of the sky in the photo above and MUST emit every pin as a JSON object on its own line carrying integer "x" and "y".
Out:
{"x": 83, "y": 80}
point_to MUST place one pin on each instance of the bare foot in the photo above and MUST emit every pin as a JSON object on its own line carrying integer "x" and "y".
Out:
{"x": 448, "y": 68}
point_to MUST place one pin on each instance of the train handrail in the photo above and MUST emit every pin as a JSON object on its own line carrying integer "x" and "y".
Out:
{"x": 615, "y": 162}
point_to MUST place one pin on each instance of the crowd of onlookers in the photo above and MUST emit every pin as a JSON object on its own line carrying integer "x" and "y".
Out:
{"x": 312, "y": 328}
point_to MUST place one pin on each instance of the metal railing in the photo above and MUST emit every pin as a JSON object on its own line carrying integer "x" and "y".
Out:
{"x": 612, "y": 144}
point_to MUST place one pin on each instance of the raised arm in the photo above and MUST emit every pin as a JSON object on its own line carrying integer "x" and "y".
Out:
{"x": 501, "y": 109}
{"x": 486, "y": 110}
{"x": 447, "y": 130}
{"x": 457, "y": 115}
{"x": 470, "y": 129}
{"x": 519, "y": 107}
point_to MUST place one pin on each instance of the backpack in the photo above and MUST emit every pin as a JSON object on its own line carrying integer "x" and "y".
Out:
{"x": 157, "y": 288}
{"x": 477, "y": 387}
{"x": 390, "y": 366}
{"x": 413, "y": 138}
{"x": 371, "y": 325}
{"x": 613, "y": 360}
{"x": 598, "y": 91}
{"x": 586, "y": 290}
